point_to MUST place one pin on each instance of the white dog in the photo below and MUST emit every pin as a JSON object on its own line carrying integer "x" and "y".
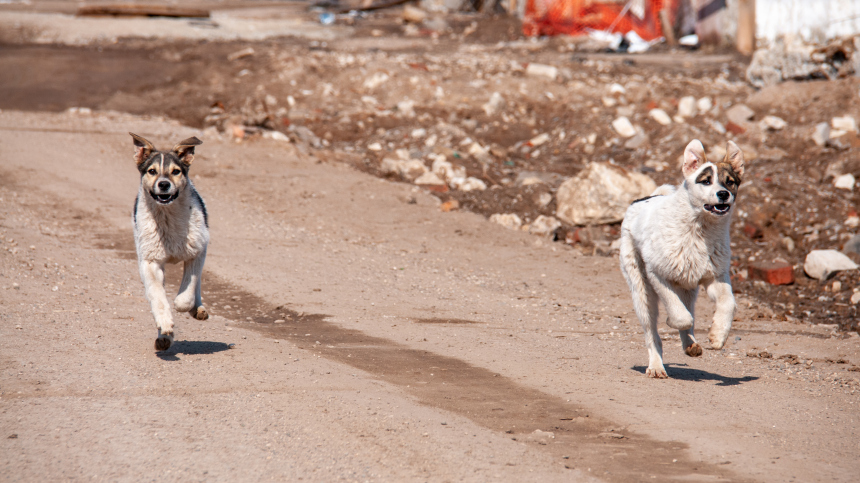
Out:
{"x": 170, "y": 226}
{"x": 677, "y": 239}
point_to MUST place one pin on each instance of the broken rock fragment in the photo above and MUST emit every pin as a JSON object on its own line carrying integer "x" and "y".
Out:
{"x": 600, "y": 194}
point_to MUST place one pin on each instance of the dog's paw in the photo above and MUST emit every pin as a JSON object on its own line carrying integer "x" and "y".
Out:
{"x": 658, "y": 373}
{"x": 694, "y": 350}
{"x": 163, "y": 342}
{"x": 717, "y": 343}
{"x": 199, "y": 313}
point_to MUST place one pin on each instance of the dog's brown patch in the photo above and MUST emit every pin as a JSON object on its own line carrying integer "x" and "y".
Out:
{"x": 728, "y": 177}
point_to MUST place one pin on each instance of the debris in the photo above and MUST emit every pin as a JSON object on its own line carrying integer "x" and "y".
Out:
{"x": 773, "y": 123}
{"x": 406, "y": 108}
{"x": 542, "y": 70}
{"x": 774, "y": 273}
{"x": 508, "y": 220}
{"x": 446, "y": 170}
{"x": 844, "y": 123}
{"x": 687, "y": 107}
{"x": 374, "y": 147}
{"x": 760, "y": 355}
{"x": 450, "y": 205}
{"x": 494, "y": 105}
{"x": 540, "y": 437}
{"x": 821, "y": 264}
{"x": 637, "y": 141}
{"x": 855, "y": 298}
{"x": 430, "y": 179}
{"x": 704, "y": 104}
{"x": 600, "y": 193}
{"x": 845, "y": 182}
{"x": 751, "y": 229}
{"x": 660, "y": 116}
{"x": 375, "y": 80}
{"x": 241, "y": 54}
{"x": 538, "y": 140}
{"x": 821, "y": 134}
{"x": 794, "y": 60}
{"x": 407, "y": 170}
{"x": 468, "y": 184}
{"x": 739, "y": 114}
{"x": 852, "y": 245}
{"x": 544, "y": 226}
{"x": 689, "y": 40}
{"x": 413, "y": 14}
{"x": 327, "y": 18}
{"x": 623, "y": 127}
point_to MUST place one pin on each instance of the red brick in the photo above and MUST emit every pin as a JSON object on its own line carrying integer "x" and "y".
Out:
{"x": 774, "y": 273}
{"x": 752, "y": 230}
{"x": 734, "y": 128}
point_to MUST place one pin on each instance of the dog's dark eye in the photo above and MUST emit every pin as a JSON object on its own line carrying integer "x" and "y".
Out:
{"x": 152, "y": 171}
{"x": 729, "y": 183}
{"x": 175, "y": 172}
{"x": 706, "y": 181}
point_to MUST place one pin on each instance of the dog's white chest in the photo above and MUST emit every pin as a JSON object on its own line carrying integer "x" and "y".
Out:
{"x": 169, "y": 236}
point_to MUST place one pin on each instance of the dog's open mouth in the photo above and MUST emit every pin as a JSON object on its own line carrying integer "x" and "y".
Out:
{"x": 164, "y": 199}
{"x": 719, "y": 209}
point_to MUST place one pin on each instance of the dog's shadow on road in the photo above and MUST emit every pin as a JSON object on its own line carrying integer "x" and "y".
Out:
{"x": 684, "y": 373}
{"x": 192, "y": 347}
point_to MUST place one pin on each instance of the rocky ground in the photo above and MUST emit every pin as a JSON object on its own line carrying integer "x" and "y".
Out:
{"x": 460, "y": 114}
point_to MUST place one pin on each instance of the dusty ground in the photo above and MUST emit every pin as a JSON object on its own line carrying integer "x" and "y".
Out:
{"x": 415, "y": 344}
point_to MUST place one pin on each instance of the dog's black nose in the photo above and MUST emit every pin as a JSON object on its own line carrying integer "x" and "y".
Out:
{"x": 165, "y": 185}
{"x": 723, "y": 195}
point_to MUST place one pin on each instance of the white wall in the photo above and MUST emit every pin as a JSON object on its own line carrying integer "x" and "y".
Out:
{"x": 810, "y": 19}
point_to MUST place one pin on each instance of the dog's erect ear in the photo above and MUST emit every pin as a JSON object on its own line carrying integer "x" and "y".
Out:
{"x": 694, "y": 156}
{"x": 735, "y": 158}
{"x": 185, "y": 150}
{"x": 142, "y": 148}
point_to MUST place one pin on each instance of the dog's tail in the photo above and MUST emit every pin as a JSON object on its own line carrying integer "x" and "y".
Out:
{"x": 664, "y": 190}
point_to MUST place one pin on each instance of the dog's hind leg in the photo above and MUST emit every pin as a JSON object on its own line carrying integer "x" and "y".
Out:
{"x": 190, "y": 297}
{"x": 720, "y": 292}
{"x": 688, "y": 338}
{"x": 152, "y": 274}
{"x": 645, "y": 304}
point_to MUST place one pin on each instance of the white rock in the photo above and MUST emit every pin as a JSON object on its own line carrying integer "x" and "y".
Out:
{"x": 407, "y": 170}
{"x": 845, "y": 182}
{"x": 624, "y": 127}
{"x": 739, "y": 114}
{"x": 406, "y": 108}
{"x": 844, "y": 123}
{"x": 855, "y": 299}
{"x": 413, "y": 14}
{"x": 495, "y": 104}
{"x": 704, "y": 104}
{"x": 821, "y": 264}
{"x": 609, "y": 101}
{"x": 774, "y": 123}
{"x": 544, "y": 226}
{"x": 507, "y": 220}
{"x": 616, "y": 88}
{"x": 276, "y": 135}
{"x": 660, "y": 116}
{"x": 821, "y": 134}
{"x": 445, "y": 169}
{"x": 374, "y": 147}
{"x": 429, "y": 178}
{"x": 687, "y": 106}
{"x": 539, "y": 139}
{"x": 418, "y": 133}
{"x": 375, "y": 80}
{"x": 541, "y": 437}
{"x": 542, "y": 70}
{"x": 468, "y": 184}
{"x": 271, "y": 100}
{"x": 600, "y": 194}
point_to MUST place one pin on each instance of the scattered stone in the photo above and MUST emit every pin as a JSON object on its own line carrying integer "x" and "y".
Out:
{"x": 413, "y": 14}
{"x": 821, "y": 264}
{"x": 276, "y": 135}
{"x": 771, "y": 154}
{"x": 774, "y": 273}
{"x": 436, "y": 24}
{"x": 538, "y": 140}
{"x": 544, "y": 226}
{"x": 507, "y": 220}
{"x": 468, "y": 184}
{"x": 600, "y": 194}
{"x": 845, "y": 182}
{"x": 375, "y": 80}
{"x": 821, "y": 134}
{"x": 430, "y": 179}
{"x": 540, "y": 437}
{"x": 450, "y": 205}
{"x": 526, "y": 178}
{"x": 752, "y": 230}
{"x": 717, "y": 126}
{"x": 418, "y": 133}
{"x": 241, "y": 54}
{"x": 773, "y": 123}
{"x": 306, "y": 136}
{"x": 836, "y": 287}
{"x": 637, "y": 141}
{"x": 788, "y": 243}
{"x": 844, "y": 123}
{"x": 704, "y": 104}
{"x": 374, "y": 147}
{"x": 853, "y": 221}
{"x": 660, "y": 116}
{"x": 739, "y": 114}
{"x": 542, "y": 70}
{"x": 406, "y": 108}
{"x": 855, "y": 298}
{"x": 760, "y": 355}
{"x": 408, "y": 170}
{"x": 735, "y": 128}
{"x": 495, "y": 104}
{"x": 687, "y": 107}
{"x": 623, "y": 127}
{"x": 616, "y": 88}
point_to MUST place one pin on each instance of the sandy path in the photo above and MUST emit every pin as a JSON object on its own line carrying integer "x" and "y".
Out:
{"x": 416, "y": 318}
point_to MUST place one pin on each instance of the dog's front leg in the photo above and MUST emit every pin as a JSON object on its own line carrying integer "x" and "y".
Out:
{"x": 720, "y": 291}
{"x": 676, "y": 301}
{"x": 153, "y": 281}
{"x": 190, "y": 298}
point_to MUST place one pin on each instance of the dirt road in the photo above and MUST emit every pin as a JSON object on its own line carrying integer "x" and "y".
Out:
{"x": 360, "y": 333}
